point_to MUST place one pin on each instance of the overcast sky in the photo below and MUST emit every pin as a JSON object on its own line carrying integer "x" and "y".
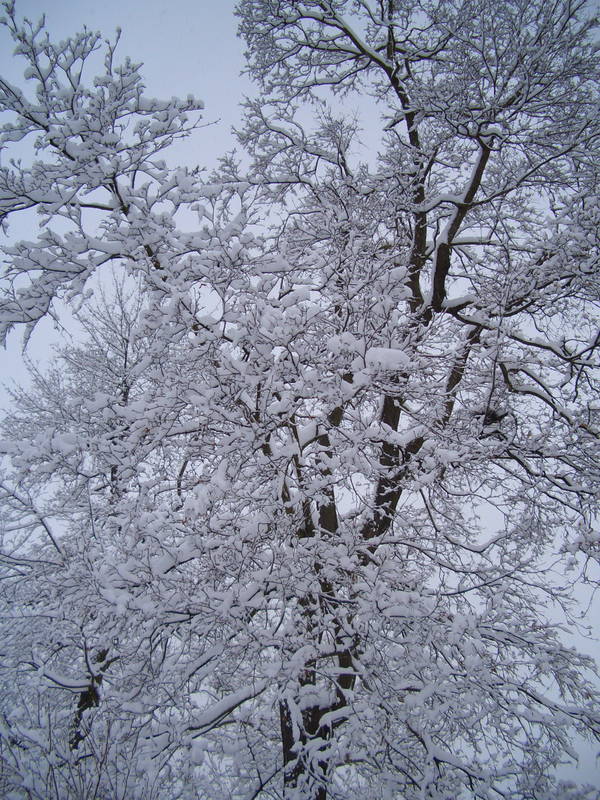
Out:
{"x": 187, "y": 47}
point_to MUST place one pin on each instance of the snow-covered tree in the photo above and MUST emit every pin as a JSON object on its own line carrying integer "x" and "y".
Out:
{"x": 302, "y": 515}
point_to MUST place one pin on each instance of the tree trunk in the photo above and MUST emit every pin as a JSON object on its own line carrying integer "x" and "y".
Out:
{"x": 301, "y": 770}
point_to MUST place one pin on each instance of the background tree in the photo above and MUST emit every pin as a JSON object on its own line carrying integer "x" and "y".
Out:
{"x": 305, "y": 529}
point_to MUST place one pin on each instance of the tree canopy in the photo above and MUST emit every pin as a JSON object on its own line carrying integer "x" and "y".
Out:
{"x": 303, "y": 513}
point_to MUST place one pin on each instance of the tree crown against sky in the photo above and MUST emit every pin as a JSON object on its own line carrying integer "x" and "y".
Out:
{"x": 302, "y": 515}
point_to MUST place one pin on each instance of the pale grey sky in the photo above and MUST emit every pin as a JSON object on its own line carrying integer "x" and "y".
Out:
{"x": 186, "y": 47}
